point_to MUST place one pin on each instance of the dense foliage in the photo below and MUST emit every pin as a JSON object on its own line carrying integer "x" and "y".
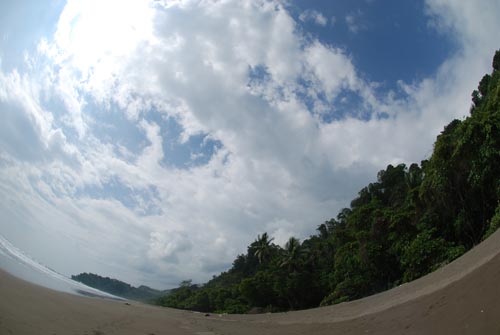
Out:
{"x": 409, "y": 222}
{"x": 119, "y": 288}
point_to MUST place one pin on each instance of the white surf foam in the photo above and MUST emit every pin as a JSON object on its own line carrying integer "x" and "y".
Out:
{"x": 21, "y": 265}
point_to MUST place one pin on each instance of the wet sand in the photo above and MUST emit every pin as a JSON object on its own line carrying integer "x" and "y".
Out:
{"x": 460, "y": 298}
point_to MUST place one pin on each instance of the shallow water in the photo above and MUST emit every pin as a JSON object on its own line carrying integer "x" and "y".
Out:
{"x": 17, "y": 263}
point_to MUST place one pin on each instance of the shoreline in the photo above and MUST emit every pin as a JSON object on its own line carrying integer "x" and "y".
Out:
{"x": 462, "y": 297}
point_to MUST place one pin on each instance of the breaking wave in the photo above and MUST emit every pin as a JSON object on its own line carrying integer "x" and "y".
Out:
{"x": 19, "y": 264}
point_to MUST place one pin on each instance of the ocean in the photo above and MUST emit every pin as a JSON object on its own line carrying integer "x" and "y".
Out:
{"x": 19, "y": 264}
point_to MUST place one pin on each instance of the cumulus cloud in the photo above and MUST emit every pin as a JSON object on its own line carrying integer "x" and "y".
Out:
{"x": 235, "y": 72}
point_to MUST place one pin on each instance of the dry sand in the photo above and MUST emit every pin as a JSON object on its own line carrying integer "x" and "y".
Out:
{"x": 461, "y": 298}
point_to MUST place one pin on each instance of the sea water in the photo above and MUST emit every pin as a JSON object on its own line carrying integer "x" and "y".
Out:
{"x": 17, "y": 263}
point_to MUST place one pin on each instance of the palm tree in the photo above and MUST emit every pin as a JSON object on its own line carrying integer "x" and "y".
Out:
{"x": 292, "y": 253}
{"x": 262, "y": 247}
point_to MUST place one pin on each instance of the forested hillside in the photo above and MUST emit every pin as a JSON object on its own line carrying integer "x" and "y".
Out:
{"x": 409, "y": 222}
{"x": 119, "y": 288}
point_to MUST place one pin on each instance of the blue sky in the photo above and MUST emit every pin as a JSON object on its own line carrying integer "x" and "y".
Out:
{"x": 152, "y": 141}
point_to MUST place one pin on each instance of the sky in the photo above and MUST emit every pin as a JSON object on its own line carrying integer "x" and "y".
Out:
{"x": 153, "y": 140}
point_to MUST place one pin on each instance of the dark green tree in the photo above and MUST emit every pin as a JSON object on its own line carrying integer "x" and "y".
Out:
{"x": 496, "y": 61}
{"x": 262, "y": 248}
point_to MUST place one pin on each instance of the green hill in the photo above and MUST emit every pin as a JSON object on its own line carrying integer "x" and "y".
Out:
{"x": 119, "y": 288}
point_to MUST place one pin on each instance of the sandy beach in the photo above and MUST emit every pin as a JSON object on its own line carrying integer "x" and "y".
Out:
{"x": 460, "y": 298}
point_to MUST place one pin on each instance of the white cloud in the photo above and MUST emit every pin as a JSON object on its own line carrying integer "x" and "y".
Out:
{"x": 331, "y": 68}
{"x": 353, "y": 21}
{"x": 168, "y": 245}
{"x": 313, "y": 16}
{"x": 120, "y": 211}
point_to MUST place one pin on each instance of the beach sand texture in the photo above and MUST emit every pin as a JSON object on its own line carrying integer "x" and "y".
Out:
{"x": 460, "y": 298}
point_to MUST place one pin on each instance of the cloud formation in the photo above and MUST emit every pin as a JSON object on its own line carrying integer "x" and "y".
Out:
{"x": 313, "y": 16}
{"x": 353, "y": 22}
{"x": 95, "y": 124}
